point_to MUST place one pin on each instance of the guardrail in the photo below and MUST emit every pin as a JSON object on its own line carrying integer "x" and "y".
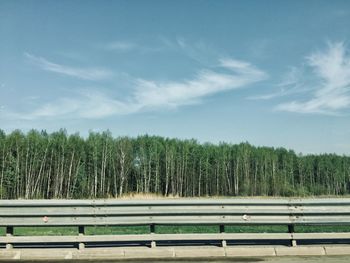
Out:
{"x": 221, "y": 212}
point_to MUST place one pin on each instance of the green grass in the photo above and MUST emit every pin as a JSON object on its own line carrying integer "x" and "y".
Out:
{"x": 37, "y": 231}
{"x": 117, "y": 230}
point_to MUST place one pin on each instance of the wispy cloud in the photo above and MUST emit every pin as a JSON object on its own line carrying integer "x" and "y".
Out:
{"x": 198, "y": 51}
{"x": 148, "y": 95}
{"x": 207, "y": 82}
{"x": 340, "y": 13}
{"x": 122, "y": 46}
{"x": 292, "y": 83}
{"x": 81, "y": 73}
{"x": 331, "y": 94}
{"x": 91, "y": 105}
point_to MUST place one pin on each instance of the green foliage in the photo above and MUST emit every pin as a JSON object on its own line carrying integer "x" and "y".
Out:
{"x": 58, "y": 165}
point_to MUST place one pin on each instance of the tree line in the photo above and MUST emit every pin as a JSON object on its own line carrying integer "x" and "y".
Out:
{"x": 58, "y": 165}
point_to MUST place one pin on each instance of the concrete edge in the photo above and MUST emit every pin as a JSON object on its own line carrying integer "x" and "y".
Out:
{"x": 194, "y": 252}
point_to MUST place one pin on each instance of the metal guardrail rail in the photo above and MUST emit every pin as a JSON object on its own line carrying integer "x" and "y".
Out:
{"x": 221, "y": 212}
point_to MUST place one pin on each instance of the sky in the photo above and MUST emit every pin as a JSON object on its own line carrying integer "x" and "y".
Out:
{"x": 272, "y": 73}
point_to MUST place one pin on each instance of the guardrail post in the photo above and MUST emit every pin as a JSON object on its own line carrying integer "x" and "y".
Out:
{"x": 9, "y": 233}
{"x": 81, "y": 230}
{"x": 291, "y": 231}
{"x": 152, "y": 229}
{"x": 222, "y": 230}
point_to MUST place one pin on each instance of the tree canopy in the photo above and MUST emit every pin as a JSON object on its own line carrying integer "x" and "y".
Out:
{"x": 59, "y": 165}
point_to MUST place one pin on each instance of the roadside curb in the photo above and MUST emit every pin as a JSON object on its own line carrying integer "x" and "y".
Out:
{"x": 200, "y": 252}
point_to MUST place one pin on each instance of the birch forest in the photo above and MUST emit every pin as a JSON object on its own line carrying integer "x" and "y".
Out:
{"x": 58, "y": 165}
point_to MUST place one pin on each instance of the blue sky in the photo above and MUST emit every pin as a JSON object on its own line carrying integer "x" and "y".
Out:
{"x": 274, "y": 73}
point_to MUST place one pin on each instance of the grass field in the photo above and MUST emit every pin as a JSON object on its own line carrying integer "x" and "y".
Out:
{"x": 170, "y": 229}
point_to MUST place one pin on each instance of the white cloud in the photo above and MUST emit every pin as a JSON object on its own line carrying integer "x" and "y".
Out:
{"x": 154, "y": 95}
{"x": 206, "y": 82}
{"x": 93, "y": 105}
{"x": 331, "y": 94}
{"x": 81, "y": 73}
